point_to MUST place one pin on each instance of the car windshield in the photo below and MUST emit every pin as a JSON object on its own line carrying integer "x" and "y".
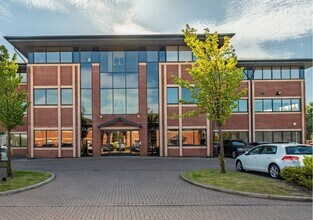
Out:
{"x": 299, "y": 150}
{"x": 238, "y": 143}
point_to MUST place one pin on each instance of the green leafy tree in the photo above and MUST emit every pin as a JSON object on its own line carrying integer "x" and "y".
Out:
{"x": 216, "y": 79}
{"x": 13, "y": 104}
{"x": 309, "y": 121}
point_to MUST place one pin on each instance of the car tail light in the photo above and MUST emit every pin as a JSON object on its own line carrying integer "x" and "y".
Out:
{"x": 288, "y": 158}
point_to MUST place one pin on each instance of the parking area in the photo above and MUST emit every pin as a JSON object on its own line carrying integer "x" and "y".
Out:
{"x": 135, "y": 188}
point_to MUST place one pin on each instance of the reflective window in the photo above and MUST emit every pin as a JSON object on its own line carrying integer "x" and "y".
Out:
{"x": 106, "y": 80}
{"x": 67, "y": 138}
{"x": 194, "y": 137}
{"x": 46, "y": 138}
{"x": 19, "y": 139}
{"x": 40, "y": 97}
{"x": 258, "y": 73}
{"x": 295, "y": 73}
{"x": 142, "y": 56}
{"x": 244, "y": 74}
{"x": 152, "y": 75}
{"x": 66, "y": 57}
{"x": 132, "y": 61}
{"x": 24, "y": 77}
{"x": 285, "y": 73}
{"x": 172, "y": 95}
{"x": 119, "y": 61}
{"x": 85, "y": 57}
{"x": 162, "y": 54}
{"x": 132, "y": 101}
{"x": 23, "y": 140}
{"x": 276, "y": 105}
{"x": 152, "y": 56}
{"x": 187, "y": 96}
{"x": 30, "y": 57}
{"x": 239, "y": 135}
{"x": 132, "y": 80}
{"x": 267, "y": 105}
{"x": 119, "y": 101}
{"x": 258, "y": 105}
{"x": 86, "y": 101}
{"x": 106, "y": 101}
{"x": 276, "y": 73}
{"x": 286, "y": 105}
{"x": 52, "y": 96}
{"x": 172, "y": 137}
{"x": 39, "y": 57}
{"x": 267, "y": 73}
{"x": 243, "y": 105}
{"x": 106, "y": 61}
{"x": 85, "y": 74}
{"x": 295, "y": 106}
{"x": 171, "y": 53}
{"x": 184, "y": 53}
{"x": 153, "y": 100}
{"x": 67, "y": 96}
{"x": 53, "y": 57}
{"x": 95, "y": 56}
{"x": 119, "y": 80}
{"x": 278, "y": 136}
{"x": 76, "y": 56}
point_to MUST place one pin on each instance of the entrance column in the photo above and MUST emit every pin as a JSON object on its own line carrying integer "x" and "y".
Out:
{"x": 96, "y": 135}
{"x": 142, "y": 117}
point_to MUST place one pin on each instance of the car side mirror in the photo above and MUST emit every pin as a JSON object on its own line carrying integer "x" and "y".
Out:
{"x": 247, "y": 153}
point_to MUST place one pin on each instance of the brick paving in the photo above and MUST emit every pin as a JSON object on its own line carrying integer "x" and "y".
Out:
{"x": 135, "y": 188}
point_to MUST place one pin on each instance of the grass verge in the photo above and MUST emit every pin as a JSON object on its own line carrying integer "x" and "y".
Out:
{"x": 22, "y": 179}
{"x": 245, "y": 182}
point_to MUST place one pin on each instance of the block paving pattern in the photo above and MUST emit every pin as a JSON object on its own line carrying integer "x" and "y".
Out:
{"x": 135, "y": 188}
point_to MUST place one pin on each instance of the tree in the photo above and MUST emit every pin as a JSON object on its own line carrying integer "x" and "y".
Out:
{"x": 216, "y": 79}
{"x": 13, "y": 104}
{"x": 309, "y": 121}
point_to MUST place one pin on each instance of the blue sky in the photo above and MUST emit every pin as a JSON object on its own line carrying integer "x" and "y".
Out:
{"x": 264, "y": 28}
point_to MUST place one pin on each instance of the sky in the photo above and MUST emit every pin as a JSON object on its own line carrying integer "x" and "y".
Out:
{"x": 264, "y": 29}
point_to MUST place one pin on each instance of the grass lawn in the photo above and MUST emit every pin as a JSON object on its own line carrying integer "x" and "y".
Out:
{"x": 245, "y": 182}
{"x": 22, "y": 179}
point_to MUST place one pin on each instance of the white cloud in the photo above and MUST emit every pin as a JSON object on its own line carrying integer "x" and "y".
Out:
{"x": 256, "y": 22}
{"x": 4, "y": 11}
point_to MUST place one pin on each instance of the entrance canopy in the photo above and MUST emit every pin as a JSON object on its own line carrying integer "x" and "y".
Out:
{"x": 119, "y": 124}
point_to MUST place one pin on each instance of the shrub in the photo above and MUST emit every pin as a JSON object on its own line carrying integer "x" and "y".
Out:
{"x": 302, "y": 176}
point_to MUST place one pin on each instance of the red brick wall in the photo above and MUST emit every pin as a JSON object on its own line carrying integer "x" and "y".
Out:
{"x": 237, "y": 121}
{"x": 143, "y": 110}
{"x": 17, "y": 152}
{"x": 278, "y": 121}
{"x": 46, "y": 153}
{"x": 172, "y": 152}
{"x": 194, "y": 152}
{"x": 66, "y": 153}
{"x": 46, "y": 117}
{"x": 45, "y": 75}
{"x": 184, "y": 72}
{"x": 66, "y": 75}
{"x": 172, "y": 70}
{"x": 193, "y": 121}
{"x": 67, "y": 117}
{"x": 95, "y": 111}
{"x": 170, "y": 113}
{"x": 269, "y": 89}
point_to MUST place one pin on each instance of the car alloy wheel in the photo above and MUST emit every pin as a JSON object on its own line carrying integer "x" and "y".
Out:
{"x": 234, "y": 154}
{"x": 274, "y": 171}
{"x": 239, "y": 167}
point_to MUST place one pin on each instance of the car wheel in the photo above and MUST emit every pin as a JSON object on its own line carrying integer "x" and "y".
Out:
{"x": 274, "y": 171}
{"x": 233, "y": 154}
{"x": 239, "y": 167}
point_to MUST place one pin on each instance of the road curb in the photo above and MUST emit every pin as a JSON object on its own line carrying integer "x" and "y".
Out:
{"x": 29, "y": 187}
{"x": 256, "y": 195}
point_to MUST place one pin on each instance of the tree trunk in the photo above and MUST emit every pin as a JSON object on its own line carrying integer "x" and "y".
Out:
{"x": 222, "y": 160}
{"x": 9, "y": 163}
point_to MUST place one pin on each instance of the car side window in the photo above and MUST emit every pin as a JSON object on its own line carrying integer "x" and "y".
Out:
{"x": 255, "y": 150}
{"x": 268, "y": 150}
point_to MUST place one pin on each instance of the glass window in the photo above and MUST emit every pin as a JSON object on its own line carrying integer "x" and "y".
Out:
{"x": 132, "y": 61}
{"x": 185, "y": 53}
{"x": 258, "y": 73}
{"x": 67, "y": 138}
{"x": 66, "y": 57}
{"x": 86, "y": 101}
{"x": 267, "y": 105}
{"x": 244, "y": 74}
{"x": 171, "y": 53}
{"x": 295, "y": 73}
{"x": 106, "y": 80}
{"x": 287, "y": 136}
{"x": 52, "y": 138}
{"x": 67, "y": 96}
{"x": 132, "y": 101}
{"x": 85, "y": 74}
{"x": 30, "y": 57}
{"x": 286, "y": 105}
{"x": 172, "y": 95}
{"x": 142, "y": 56}
{"x": 40, "y": 96}
{"x": 258, "y": 105}
{"x": 276, "y": 73}
{"x": 23, "y": 140}
{"x": 24, "y": 77}
{"x": 276, "y": 105}
{"x": 119, "y": 80}
{"x": 106, "y": 61}
{"x": 119, "y": 101}
{"x": 119, "y": 61}
{"x": 285, "y": 73}
{"x": 152, "y": 56}
{"x": 278, "y": 136}
{"x": 85, "y": 57}
{"x": 162, "y": 54}
{"x": 15, "y": 140}
{"x": 258, "y": 136}
{"x": 53, "y": 57}
{"x": 152, "y": 75}
{"x": 268, "y": 136}
{"x": 52, "y": 96}
{"x": 106, "y": 101}
{"x": 131, "y": 80}
{"x": 172, "y": 137}
{"x": 267, "y": 73}
{"x": 295, "y": 106}
{"x": 46, "y": 138}
{"x": 95, "y": 56}
{"x": 243, "y": 105}
{"x": 296, "y": 136}
{"x": 243, "y": 136}
{"x": 76, "y": 56}
{"x": 40, "y": 138}
{"x": 153, "y": 100}
{"x": 301, "y": 73}
{"x": 39, "y": 57}
{"x": 187, "y": 96}
{"x": 188, "y": 137}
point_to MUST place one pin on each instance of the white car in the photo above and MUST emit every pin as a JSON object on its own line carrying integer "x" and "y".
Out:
{"x": 272, "y": 158}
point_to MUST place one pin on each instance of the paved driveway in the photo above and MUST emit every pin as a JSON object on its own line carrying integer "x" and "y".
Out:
{"x": 135, "y": 188}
